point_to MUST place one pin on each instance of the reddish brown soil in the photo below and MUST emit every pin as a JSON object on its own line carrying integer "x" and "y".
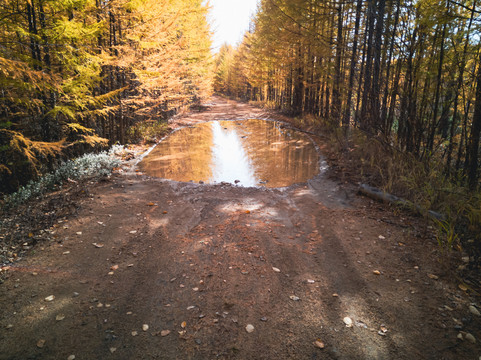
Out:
{"x": 198, "y": 260}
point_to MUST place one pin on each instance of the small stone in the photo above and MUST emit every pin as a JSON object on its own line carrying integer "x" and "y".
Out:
{"x": 133, "y": 231}
{"x": 190, "y": 307}
{"x": 348, "y": 321}
{"x": 134, "y": 333}
{"x": 40, "y": 343}
{"x": 263, "y": 318}
{"x": 79, "y": 233}
{"x": 319, "y": 344}
{"x": 249, "y": 328}
{"x": 294, "y": 298}
{"x": 75, "y": 294}
{"x": 460, "y": 336}
{"x": 183, "y": 325}
{"x": 50, "y": 298}
{"x": 98, "y": 246}
{"x": 376, "y": 272}
{"x": 310, "y": 281}
{"x": 145, "y": 327}
{"x": 66, "y": 253}
{"x": 381, "y": 237}
{"x": 112, "y": 350}
{"x": 432, "y": 276}
{"x": 276, "y": 269}
{"x": 470, "y": 338}
{"x": 473, "y": 310}
{"x": 71, "y": 357}
{"x": 335, "y": 295}
{"x": 164, "y": 333}
{"x": 195, "y": 289}
{"x": 9, "y": 326}
{"x": 59, "y": 317}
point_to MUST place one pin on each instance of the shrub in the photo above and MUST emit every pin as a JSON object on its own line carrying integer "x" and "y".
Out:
{"x": 89, "y": 166}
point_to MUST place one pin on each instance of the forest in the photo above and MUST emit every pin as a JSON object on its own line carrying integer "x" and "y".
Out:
{"x": 406, "y": 71}
{"x": 77, "y": 75}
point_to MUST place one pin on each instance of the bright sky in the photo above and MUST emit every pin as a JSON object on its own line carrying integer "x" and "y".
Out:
{"x": 230, "y": 19}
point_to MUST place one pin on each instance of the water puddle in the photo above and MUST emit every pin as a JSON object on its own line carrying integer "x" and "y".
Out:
{"x": 247, "y": 152}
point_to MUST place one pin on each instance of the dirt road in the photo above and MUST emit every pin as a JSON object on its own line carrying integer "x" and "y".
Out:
{"x": 153, "y": 269}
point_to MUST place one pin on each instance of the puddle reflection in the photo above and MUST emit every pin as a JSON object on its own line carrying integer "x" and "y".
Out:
{"x": 254, "y": 152}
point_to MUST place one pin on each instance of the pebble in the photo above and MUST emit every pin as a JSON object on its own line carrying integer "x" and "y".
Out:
{"x": 348, "y": 321}
{"x": 319, "y": 344}
{"x": 71, "y": 357}
{"x": 263, "y": 318}
{"x": 310, "y": 281}
{"x": 50, "y": 298}
{"x": 470, "y": 338}
{"x": 59, "y": 317}
{"x": 276, "y": 269}
{"x": 473, "y": 310}
{"x": 294, "y": 298}
{"x": 249, "y": 328}
{"x": 40, "y": 343}
{"x": 145, "y": 327}
{"x": 164, "y": 332}
{"x": 376, "y": 272}
{"x": 134, "y": 333}
{"x": 112, "y": 350}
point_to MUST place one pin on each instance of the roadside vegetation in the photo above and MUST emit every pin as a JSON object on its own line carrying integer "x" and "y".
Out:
{"x": 78, "y": 76}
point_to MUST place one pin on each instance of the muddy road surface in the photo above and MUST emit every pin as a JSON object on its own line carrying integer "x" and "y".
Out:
{"x": 156, "y": 269}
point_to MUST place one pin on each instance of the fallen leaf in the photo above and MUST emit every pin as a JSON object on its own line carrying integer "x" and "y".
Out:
{"x": 463, "y": 287}
{"x": 98, "y": 246}
{"x": 112, "y": 350}
{"x": 150, "y": 204}
{"x": 248, "y": 211}
{"x": 59, "y": 317}
{"x": 30, "y": 235}
{"x": 183, "y": 325}
{"x": 164, "y": 212}
{"x": 319, "y": 344}
{"x": 114, "y": 267}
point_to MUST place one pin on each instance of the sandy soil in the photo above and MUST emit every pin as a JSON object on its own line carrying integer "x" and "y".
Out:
{"x": 198, "y": 263}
